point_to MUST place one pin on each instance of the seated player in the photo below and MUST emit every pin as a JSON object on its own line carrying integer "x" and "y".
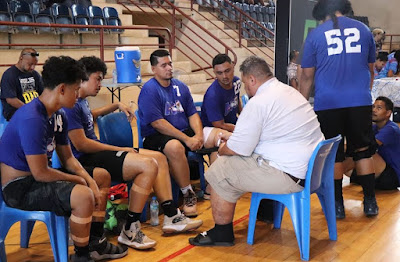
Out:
{"x": 380, "y": 65}
{"x": 28, "y": 182}
{"x": 147, "y": 169}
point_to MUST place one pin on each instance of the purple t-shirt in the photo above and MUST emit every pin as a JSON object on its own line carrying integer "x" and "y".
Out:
{"x": 173, "y": 103}
{"x": 80, "y": 117}
{"x": 389, "y": 135}
{"x": 221, "y": 104}
{"x": 31, "y": 132}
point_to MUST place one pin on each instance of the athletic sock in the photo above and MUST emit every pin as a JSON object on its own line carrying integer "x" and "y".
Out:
{"x": 131, "y": 217}
{"x": 169, "y": 208}
{"x": 186, "y": 189}
{"x": 368, "y": 184}
{"x": 222, "y": 233}
{"x": 338, "y": 190}
{"x": 82, "y": 251}
{"x": 96, "y": 229}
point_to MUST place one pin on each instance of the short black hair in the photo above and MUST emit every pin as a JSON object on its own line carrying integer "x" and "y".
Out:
{"x": 62, "y": 69}
{"x": 387, "y": 101}
{"x": 382, "y": 56}
{"x": 220, "y": 59}
{"x": 323, "y": 8}
{"x": 93, "y": 64}
{"x": 156, "y": 54}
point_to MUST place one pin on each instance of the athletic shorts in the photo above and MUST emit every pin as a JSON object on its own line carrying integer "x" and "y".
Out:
{"x": 112, "y": 161}
{"x": 232, "y": 176}
{"x": 157, "y": 142}
{"x": 29, "y": 194}
{"x": 388, "y": 179}
{"x": 353, "y": 123}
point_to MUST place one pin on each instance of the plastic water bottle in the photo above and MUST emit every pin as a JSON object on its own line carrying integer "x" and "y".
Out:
{"x": 154, "y": 208}
{"x": 115, "y": 80}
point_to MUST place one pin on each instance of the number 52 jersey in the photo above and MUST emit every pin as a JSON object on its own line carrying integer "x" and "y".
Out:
{"x": 341, "y": 58}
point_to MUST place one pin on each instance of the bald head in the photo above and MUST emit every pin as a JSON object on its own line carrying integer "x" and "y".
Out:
{"x": 27, "y": 60}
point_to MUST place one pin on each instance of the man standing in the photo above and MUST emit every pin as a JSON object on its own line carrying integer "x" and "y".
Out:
{"x": 341, "y": 54}
{"x": 20, "y": 84}
{"x": 268, "y": 151}
{"x": 170, "y": 123}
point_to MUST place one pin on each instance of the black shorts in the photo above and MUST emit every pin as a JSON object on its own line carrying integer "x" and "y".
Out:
{"x": 353, "y": 123}
{"x": 387, "y": 180}
{"x": 157, "y": 142}
{"x": 29, "y": 194}
{"x": 112, "y": 161}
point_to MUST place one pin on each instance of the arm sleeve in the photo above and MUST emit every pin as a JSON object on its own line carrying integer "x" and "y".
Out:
{"x": 150, "y": 105}
{"x": 33, "y": 136}
{"x": 309, "y": 53}
{"x": 247, "y": 132}
{"x": 8, "y": 85}
{"x": 74, "y": 118}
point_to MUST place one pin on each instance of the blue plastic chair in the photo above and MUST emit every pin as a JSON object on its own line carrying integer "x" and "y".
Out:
{"x": 57, "y": 227}
{"x": 112, "y": 18}
{"x": 80, "y": 17}
{"x": 21, "y": 12}
{"x": 115, "y": 129}
{"x": 319, "y": 179}
{"x": 96, "y": 16}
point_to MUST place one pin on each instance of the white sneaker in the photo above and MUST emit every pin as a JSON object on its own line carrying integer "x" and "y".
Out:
{"x": 180, "y": 223}
{"x": 134, "y": 237}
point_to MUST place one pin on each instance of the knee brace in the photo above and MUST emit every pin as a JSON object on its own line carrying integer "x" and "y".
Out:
{"x": 358, "y": 155}
{"x": 140, "y": 190}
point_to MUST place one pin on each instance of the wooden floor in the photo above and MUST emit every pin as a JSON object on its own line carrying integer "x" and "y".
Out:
{"x": 359, "y": 238}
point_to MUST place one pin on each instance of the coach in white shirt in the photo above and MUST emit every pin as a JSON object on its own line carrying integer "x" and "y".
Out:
{"x": 268, "y": 151}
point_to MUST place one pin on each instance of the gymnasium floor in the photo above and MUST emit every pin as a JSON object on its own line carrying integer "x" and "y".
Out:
{"x": 359, "y": 238}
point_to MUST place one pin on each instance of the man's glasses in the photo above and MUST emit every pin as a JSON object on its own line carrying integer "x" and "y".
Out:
{"x": 34, "y": 54}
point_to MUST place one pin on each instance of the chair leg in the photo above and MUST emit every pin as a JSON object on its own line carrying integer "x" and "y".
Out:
{"x": 327, "y": 202}
{"x": 3, "y": 256}
{"x": 279, "y": 209}
{"x": 202, "y": 178}
{"x": 26, "y": 232}
{"x": 301, "y": 224}
{"x": 60, "y": 228}
{"x": 255, "y": 202}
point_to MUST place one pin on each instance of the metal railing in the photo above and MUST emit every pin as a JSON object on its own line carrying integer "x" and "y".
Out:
{"x": 101, "y": 33}
{"x": 208, "y": 51}
{"x": 389, "y": 38}
{"x": 240, "y": 19}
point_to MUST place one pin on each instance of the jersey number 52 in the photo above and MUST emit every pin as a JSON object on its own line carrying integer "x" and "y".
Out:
{"x": 335, "y": 43}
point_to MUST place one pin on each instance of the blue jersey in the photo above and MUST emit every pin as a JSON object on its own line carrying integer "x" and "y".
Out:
{"x": 391, "y": 64}
{"x": 173, "y": 103}
{"x": 341, "y": 59}
{"x": 380, "y": 74}
{"x": 221, "y": 104}
{"x": 23, "y": 85}
{"x": 389, "y": 135}
{"x": 80, "y": 117}
{"x": 32, "y": 132}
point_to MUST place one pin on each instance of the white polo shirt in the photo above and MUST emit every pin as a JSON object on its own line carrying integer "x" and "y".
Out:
{"x": 279, "y": 124}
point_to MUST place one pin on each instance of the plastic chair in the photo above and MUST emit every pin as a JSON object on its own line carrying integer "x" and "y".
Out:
{"x": 62, "y": 15}
{"x": 112, "y": 18}
{"x": 45, "y": 17}
{"x": 57, "y": 227}
{"x": 116, "y": 130}
{"x": 21, "y": 12}
{"x": 319, "y": 179}
{"x": 5, "y": 16}
{"x": 80, "y": 17}
{"x": 96, "y": 16}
